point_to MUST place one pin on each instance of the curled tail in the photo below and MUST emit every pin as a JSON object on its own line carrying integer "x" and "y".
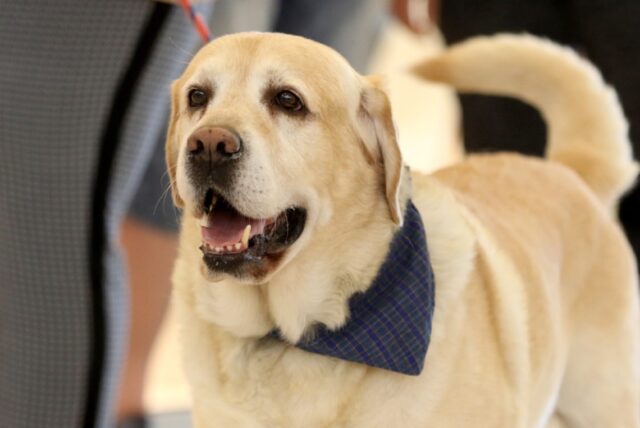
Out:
{"x": 586, "y": 126}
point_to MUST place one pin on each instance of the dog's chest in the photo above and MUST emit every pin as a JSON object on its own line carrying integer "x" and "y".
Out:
{"x": 286, "y": 387}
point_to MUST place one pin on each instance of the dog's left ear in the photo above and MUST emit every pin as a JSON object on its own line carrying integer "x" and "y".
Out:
{"x": 379, "y": 137}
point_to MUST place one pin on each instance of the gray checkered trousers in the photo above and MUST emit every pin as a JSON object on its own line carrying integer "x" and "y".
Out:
{"x": 83, "y": 101}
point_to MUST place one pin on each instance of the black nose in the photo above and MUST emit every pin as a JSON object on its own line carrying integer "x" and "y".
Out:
{"x": 213, "y": 146}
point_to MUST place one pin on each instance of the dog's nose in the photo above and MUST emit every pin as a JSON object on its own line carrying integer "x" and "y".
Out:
{"x": 214, "y": 145}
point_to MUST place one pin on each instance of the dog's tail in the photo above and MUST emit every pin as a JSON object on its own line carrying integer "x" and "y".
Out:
{"x": 586, "y": 126}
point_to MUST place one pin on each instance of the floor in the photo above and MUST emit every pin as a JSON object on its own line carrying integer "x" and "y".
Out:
{"x": 426, "y": 117}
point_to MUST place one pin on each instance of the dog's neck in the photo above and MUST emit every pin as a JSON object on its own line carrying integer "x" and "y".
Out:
{"x": 316, "y": 289}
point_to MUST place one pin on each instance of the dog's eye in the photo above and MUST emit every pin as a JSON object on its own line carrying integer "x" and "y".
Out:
{"x": 197, "y": 98}
{"x": 289, "y": 101}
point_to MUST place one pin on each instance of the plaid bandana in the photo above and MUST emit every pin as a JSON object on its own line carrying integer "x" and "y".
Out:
{"x": 390, "y": 323}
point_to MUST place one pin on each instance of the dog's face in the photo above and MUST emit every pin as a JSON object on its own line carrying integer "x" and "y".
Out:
{"x": 274, "y": 140}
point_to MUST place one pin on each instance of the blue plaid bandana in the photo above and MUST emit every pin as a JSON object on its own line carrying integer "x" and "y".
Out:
{"x": 390, "y": 323}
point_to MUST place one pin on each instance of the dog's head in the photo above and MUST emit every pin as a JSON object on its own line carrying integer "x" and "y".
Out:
{"x": 275, "y": 144}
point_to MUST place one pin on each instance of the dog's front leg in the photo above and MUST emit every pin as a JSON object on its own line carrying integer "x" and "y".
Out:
{"x": 209, "y": 412}
{"x": 199, "y": 356}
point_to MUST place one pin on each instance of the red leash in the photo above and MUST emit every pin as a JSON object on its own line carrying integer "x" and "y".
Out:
{"x": 196, "y": 19}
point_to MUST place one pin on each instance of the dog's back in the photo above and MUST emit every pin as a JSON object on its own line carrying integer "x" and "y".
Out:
{"x": 577, "y": 292}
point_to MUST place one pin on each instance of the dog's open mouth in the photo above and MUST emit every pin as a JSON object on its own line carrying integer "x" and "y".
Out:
{"x": 230, "y": 239}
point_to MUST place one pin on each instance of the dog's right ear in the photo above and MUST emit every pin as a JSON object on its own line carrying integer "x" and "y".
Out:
{"x": 172, "y": 145}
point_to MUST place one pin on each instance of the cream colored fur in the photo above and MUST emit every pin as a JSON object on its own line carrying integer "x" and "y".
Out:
{"x": 536, "y": 319}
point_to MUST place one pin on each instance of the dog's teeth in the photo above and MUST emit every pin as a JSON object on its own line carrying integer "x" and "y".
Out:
{"x": 245, "y": 236}
{"x": 238, "y": 246}
{"x": 213, "y": 204}
{"x": 218, "y": 250}
{"x": 210, "y": 203}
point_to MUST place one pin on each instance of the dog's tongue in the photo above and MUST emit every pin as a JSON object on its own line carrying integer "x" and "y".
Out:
{"x": 226, "y": 228}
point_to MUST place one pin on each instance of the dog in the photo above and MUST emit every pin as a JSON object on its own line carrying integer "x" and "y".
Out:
{"x": 506, "y": 295}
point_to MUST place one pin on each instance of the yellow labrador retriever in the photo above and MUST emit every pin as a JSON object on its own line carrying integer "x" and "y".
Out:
{"x": 285, "y": 163}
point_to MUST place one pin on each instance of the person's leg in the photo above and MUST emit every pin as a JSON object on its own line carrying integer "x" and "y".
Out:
{"x": 149, "y": 239}
{"x": 61, "y": 62}
{"x": 150, "y": 253}
{"x": 497, "y": 123}
{"x": 84, "y": 96}
{"x": 609, "y": 33}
